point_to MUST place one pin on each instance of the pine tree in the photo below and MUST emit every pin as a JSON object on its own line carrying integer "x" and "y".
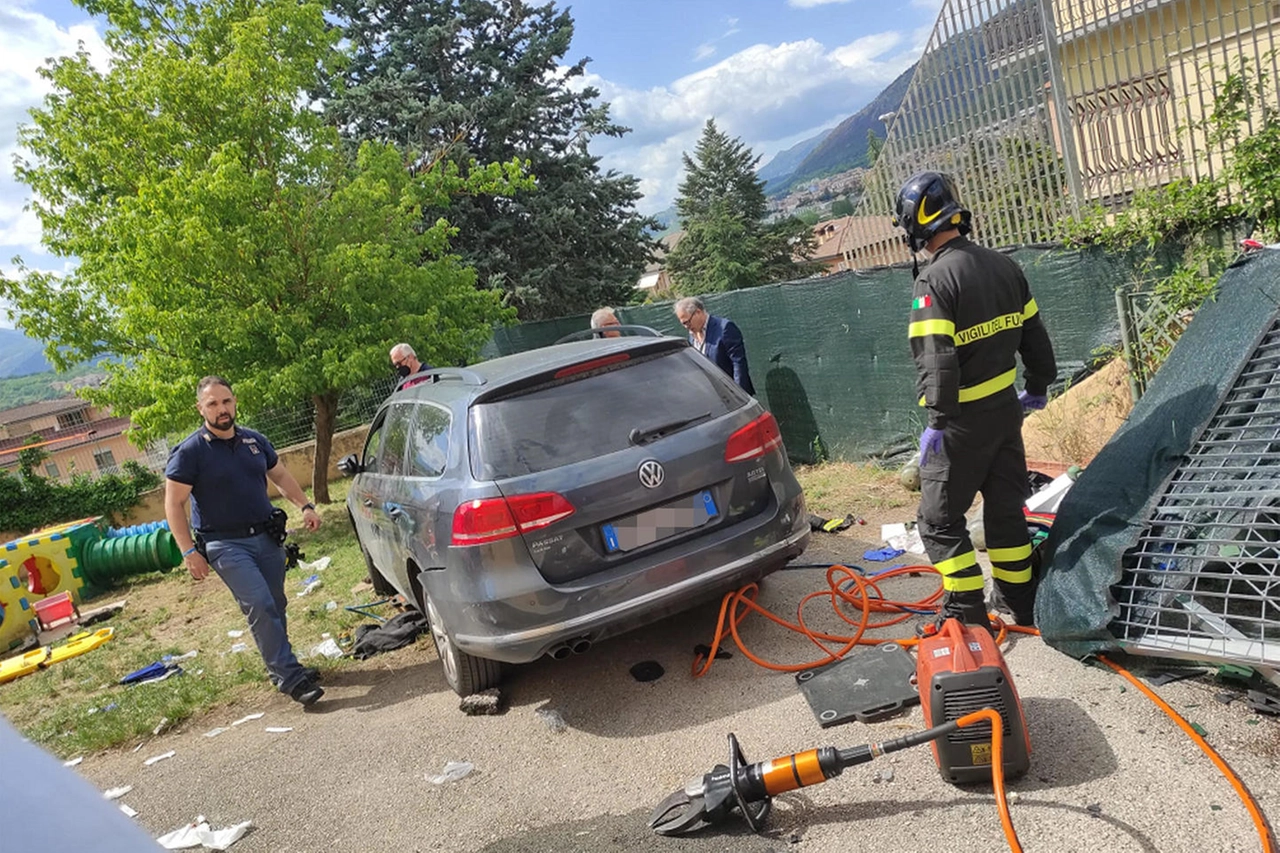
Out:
{"x": 484, "y": 80}
{"x": 721, "y": 205}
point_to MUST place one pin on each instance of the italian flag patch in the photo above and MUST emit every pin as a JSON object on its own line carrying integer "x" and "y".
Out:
{"x": 922, "y": 302}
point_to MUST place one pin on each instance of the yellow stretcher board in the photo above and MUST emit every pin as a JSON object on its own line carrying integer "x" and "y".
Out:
{"x": 78, "y": 645}
{"x": 23, "y": 664}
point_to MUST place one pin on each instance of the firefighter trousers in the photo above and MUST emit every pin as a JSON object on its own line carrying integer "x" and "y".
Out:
{"x": 982, "y": 452}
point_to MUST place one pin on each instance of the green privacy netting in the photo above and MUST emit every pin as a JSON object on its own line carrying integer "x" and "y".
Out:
{"x": 830, "y": 358}
{"x": 1103, "y": 515}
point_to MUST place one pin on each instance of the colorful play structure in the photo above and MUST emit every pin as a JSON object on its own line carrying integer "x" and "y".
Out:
{"x": 79, "y": 559}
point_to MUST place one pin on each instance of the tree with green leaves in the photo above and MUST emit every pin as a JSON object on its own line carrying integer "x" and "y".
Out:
{"x": 222, "y": 226}
{"x": 721, "y": 204}
{"x": 485, "y": 80}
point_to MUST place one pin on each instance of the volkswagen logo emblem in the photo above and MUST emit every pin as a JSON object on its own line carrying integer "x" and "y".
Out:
{"x": 651, "y": 474}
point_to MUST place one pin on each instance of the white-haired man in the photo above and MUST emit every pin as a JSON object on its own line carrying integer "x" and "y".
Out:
{"x": 604, "y": 317}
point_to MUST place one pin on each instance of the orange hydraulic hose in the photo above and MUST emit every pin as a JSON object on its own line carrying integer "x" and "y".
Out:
{"x": 997, "y": 769}
{"x": 1265, "y": 834}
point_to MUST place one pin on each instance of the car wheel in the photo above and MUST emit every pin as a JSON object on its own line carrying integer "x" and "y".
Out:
{"x": 464, "y": 673}
{"x": 380, "y": 584}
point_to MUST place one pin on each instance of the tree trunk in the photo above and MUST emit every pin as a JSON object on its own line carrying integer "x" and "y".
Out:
{"x": 326, "y": 417}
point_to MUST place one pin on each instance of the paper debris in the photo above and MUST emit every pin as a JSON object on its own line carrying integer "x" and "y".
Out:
{"x": 331, "y": 605}
{"x": 128, "y": 811}
{"x": 310, "y": 584}
{"x": 117, "y": 793}
{"x": 237, "y": 648}
{"x": 153, "y": 759}
{"x": 278, "y": 729}
{"x": 250, "y": 718}
{"x": 453, "y": 771}
{"x": 199, "y": 834}
{"x": 329, "y": 648}
{"x": 73, "y": 762}
{"x": 318, "y": 566}
{"x": 235, "y": 634}
{"x": 215, "y": 732}
{"x": 164, "y": 721}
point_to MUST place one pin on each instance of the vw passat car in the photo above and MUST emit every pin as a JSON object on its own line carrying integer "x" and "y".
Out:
{"x": 538, "y": 503}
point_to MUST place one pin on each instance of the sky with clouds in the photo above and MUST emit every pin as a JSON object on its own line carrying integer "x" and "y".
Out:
{"x": 772, "y": 72}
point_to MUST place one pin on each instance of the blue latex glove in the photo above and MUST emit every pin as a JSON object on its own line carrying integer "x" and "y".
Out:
{"x": 1032, "y": 402}
{"x": 930, "y": 444}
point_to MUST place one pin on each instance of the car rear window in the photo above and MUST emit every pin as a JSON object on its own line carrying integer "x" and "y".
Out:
{"x": 585, "y": 417}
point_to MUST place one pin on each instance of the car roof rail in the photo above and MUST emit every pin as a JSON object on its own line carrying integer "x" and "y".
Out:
{"x": 442, "y": 374}
{"x": 625, "y": 329}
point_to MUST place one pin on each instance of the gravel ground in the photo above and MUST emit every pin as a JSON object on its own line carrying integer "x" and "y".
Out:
{"x": 1109, "y": 771}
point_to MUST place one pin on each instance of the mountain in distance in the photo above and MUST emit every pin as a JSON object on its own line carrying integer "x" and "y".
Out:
{"x": 783, "y": 164}
{"x": 846, "y": 146}
{"x": 19, "y": 355}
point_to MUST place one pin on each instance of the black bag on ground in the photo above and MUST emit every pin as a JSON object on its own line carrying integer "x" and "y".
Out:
{"x": 400, "y": 630}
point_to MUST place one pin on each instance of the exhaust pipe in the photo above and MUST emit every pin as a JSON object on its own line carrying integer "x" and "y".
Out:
{"x": 576, "y": 646}
{"x": 580, "y": 645}
{"x": 560, "y": 651}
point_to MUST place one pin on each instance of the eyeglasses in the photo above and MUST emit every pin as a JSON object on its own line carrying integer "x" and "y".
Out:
{"x": 687, "y": 322}
{"x": 397, "y": 364}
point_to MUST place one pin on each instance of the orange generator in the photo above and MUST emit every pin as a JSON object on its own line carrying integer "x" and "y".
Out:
{"x": 959, "y": 670}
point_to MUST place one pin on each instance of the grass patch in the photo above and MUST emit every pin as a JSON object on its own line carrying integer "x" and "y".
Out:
{"x": 78, "y": 706}
{"x": 836, "y": 488}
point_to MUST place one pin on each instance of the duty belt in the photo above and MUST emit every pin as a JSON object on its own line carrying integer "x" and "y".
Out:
{"x": 234, "y": 532}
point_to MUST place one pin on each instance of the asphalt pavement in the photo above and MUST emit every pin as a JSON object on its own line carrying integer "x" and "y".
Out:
{"x": 1109, "y": 771}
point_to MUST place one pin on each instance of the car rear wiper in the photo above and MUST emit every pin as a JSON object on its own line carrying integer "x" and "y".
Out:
{"x": 644, "y": 436}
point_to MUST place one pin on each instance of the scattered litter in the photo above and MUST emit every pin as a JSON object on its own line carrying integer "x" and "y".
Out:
{"x": 903, "y": 536}
{"x": 329, "y": 648}
{"x": 117, "y": 793}
{"x": 73, "y": 762}
{"x": 174, "y": 658}
{"x": 278, "y": 729}
{"x": 552, "y": 720}
{"x": 1168, "y": 676}
{"x": 215, "y": 732}
{"x": 882, "y": 554}
{"x": 1199, "y": 729}
{"x": 138, "y": 747}
{"x": 198, "y": 833}
{"x": 248, "y": 718}
{"x": 235, "y": 635}
{"x": 160, "y": 726}
{"x": 1215, "y": 807}
{"x": 453, "y": 771}
{"x": 647, "y": 670}
{"x": 157, "y": 671}
{"x": 1013, "y": 798}
{"x": 318, "y": 566}
{"x": 161, "y": 757}
{"x": 128, "y": 811}
{"x": 309, "y": 584}
{"x": 331, "y": 605}
{"x": 486, "y": 702}
{"x": 237, "y": 648}
{"x": 1264, "y": 703}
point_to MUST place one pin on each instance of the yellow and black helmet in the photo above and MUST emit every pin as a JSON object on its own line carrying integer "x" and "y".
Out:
{"x": 928, "y": 203}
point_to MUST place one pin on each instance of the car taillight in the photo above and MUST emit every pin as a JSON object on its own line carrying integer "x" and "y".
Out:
{"x": 753, "y": 440}
{"x": 491, "y": 519}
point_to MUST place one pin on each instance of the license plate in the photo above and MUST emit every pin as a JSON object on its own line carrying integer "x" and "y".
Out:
{"x": 653, "y": 525}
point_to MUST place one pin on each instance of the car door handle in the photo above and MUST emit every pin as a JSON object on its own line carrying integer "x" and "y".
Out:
{"x": 393, "y": 510}
{"x": 368, "y": 503}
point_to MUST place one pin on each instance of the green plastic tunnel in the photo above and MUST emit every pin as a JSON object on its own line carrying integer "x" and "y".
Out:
{"x": 105, "y": 561}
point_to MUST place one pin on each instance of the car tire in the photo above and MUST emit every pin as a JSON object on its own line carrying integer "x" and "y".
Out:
{"x": 380, "y": 584}
{"x": 463, "y": 673}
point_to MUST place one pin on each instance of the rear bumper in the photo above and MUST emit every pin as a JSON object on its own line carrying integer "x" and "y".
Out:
{"x": 527, "y": 645}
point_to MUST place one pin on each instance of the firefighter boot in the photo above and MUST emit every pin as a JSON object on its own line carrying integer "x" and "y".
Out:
{"x": 1021, "y": 601}
{"x": 969, "y": 607}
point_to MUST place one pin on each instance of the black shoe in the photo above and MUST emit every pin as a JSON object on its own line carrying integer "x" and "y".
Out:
{"x": 310, "y": 673}
{"x": 307, "y": 692}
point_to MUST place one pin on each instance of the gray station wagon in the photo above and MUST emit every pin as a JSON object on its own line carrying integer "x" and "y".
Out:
{"x": 535, "y": 504}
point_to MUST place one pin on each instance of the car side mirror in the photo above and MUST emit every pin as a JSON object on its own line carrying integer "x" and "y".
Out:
{"x": 350, "y": 465}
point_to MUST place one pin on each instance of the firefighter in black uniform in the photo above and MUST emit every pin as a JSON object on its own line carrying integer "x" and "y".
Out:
{"x": 971, "y": 314}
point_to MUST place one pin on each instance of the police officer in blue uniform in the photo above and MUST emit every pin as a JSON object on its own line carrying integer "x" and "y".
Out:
{"x": 223, "y": 469}
{"x": 972, "y": 316}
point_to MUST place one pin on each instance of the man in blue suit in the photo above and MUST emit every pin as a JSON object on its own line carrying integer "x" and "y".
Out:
{"x": 717, "y": 338}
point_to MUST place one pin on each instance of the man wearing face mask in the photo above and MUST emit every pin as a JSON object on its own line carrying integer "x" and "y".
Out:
{"x": 405, "y": 363}
{"x": 972, "y": 315}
